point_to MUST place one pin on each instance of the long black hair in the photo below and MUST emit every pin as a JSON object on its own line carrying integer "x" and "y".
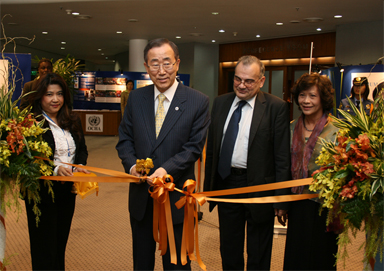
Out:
{"x": 66, "y": 119}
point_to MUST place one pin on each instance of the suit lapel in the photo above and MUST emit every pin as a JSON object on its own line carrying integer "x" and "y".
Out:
{"x": 148, "y": 112}
{"x": 223, "y": 114}
{"x": 176, "y": 109}
{"x": 258, "y": 113}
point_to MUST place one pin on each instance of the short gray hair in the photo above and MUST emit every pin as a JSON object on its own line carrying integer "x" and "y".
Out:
{"x": 249, "y": 60}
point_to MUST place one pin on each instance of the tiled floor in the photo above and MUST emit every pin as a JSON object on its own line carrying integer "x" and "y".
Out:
{"x": 100, "y": 237}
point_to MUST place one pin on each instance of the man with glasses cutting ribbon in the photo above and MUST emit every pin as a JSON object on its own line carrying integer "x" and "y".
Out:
{"x": 168, "y": 123}
{"x": 248, "y": 144}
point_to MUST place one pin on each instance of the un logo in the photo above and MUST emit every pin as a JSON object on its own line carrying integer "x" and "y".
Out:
{"x": 94, "y": 120}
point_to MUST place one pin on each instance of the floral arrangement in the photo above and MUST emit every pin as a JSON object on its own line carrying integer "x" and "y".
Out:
{"x": 22, "y": 148}
{"x": 350, "y": 181}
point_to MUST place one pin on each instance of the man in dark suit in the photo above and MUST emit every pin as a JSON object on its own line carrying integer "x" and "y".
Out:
{"x": 174, "y": 143}
{"x": 45, "y": 66}
{"x": 260, "y": 154}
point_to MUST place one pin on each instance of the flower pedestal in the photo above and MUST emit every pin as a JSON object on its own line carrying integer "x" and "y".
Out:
{"x": 2, "y": 239}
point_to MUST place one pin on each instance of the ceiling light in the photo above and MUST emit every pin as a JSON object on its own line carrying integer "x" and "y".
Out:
{"x": 113, "y": 60}
{"x": 213, "y": 41}
{"x": 62, "y": 48}
{"x": 215, "y": 13}
{"x": 119, "y": 32}
{"x": 75, "y": 13}
{"x": 195, "y": 34}
{"x": 44, "y": 33}
{"x": 279, "y": 23}
{"x": 178, "y": 37}
{"x": 313, "y": 20}
{"x": 338, "y": 16}
{"x": 318, "y": 29}
{"x": 83, "y": 17}
{"x": 221, "y": 30}
{"x": 98, "y": 49}
{"x": 106, "y": 57}
{"x": 102, "y": 54}
{"x": 63, "y": 42}
{"x": 257, "y": 36}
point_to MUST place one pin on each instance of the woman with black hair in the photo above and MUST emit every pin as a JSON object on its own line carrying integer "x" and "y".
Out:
{"x": 359, "y": 95}
{"x": 310, "y": 244}
{"x": 49, "y": 238}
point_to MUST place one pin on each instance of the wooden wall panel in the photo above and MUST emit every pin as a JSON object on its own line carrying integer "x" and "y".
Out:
{"x": 282, "y": 48}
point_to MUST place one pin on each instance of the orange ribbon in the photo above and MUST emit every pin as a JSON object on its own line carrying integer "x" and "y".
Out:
{"x": 162, "y": 215}
{"x": 116, "y": 176}
{"x": 190, "y": 212}
{"x": 190, "y": 226}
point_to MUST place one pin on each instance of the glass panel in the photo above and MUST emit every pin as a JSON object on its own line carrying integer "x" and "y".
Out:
{"x": 265, "y": 87}
{"x": 231, "y": 74}
{"x": 296, "y": 111}
{"x": 277, "y": 83}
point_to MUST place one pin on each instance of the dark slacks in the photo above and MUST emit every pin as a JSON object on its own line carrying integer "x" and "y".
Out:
{"x": 309, "y": 246}
{"x": 144, "y": 246}
{"x": 48, "y": 239}
{"x": 234, "y": 219}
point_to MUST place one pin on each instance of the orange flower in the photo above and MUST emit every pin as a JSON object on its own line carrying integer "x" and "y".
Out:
{"x": 341, "y": 140}
{"x": 363, "y": 141}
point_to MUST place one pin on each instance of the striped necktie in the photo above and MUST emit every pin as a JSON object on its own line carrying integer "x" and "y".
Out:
{"x": 160, "y": 113}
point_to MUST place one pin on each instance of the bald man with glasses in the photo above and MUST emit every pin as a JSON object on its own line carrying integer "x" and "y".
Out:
{"x": 248, "y": 144}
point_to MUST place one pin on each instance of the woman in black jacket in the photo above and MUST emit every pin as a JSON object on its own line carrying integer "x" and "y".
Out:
{"x": 49, "y": 238}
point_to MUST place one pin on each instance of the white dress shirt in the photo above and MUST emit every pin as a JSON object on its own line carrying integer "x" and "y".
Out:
{"x": 169, "y": 93}
{"x": 65, "y": 147}
{"x": 240, "y": 152}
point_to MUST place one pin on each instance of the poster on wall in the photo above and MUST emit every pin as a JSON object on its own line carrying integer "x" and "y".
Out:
{"x": 94, "y": 123}
{"x": 101, "y": 90}
{"x": 108, "y": 89}
{"x": 143, "y": 83}
{"x": 84, "y": 83}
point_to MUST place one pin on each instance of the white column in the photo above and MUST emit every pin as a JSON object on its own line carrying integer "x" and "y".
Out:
{"x": 136, "y": 55}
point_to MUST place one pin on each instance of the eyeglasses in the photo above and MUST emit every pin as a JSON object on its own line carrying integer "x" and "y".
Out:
{"x": 166, "y": 66}
{"x": 247, "y": 82}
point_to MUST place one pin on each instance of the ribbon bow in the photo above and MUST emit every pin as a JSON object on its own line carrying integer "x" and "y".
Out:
{"x": 188, "y": 201}
{"x": 162, "y": 216}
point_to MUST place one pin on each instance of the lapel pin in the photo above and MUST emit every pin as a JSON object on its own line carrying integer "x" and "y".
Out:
{"x": 177, "y": 108}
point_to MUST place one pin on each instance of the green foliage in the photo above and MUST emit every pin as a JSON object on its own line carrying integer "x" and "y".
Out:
{"x": 21, "y": 143}
{"x": 350, "y": 180}
{"x": 65, "y": 67}
{"x": 355, "y": 210}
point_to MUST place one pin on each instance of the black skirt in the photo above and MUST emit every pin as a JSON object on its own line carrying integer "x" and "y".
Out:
{"x": 309, "y": 246}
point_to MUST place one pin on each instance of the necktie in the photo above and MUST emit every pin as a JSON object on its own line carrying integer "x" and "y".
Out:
{"x": 160, "y": 114}
{"x": 358, "y": 104}
{"x": 225, "y": 159}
